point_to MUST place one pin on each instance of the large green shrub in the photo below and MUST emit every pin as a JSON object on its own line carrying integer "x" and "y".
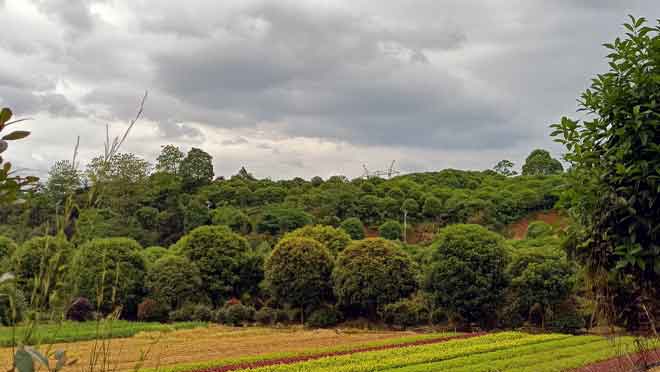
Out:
{"x": 391, "y": 230}
{"x": 232, "y": 217}
{"x": 298, "y": 272}
{"x": 46, "y": 258}
{"x": 332, "y": 238}
{"x": 466, "y": 275}
{"x": 353, "y": 227}
{"x": 7, "y": 247}
{"x": 220, "y": 255}
{"x": 151, "y": 310}
{"x": 406, "y": 312}
{"x": 112, "y": 268}
{"x": 324, "y": 317}
{"x": 281, "y": 220}
{"x": 173, "y": 280}
{"x": 152, "y": 254}
{"x": 371, "y": 273}
{"x": 538, "y": 229}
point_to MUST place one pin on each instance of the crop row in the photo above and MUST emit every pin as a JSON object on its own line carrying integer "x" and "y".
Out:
{"x": 219, "y": 363}
{"x": 508, "y": 351}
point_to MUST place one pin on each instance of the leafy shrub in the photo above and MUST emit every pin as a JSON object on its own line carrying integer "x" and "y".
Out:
{"x": 232, "y": 217}
{"x": 438, "y": 316}
{"x": 7, "y": 247}
{"x": 332, "y": 238}
{"x": 237, "y": 314}
{"x": 390, "y": 230}
{"x": 80, "y": 310}
{"x": 152, "y": 254}
{"x": 298, "y": 272}
{"x": 538, "y": 229}
{"x": 466, "y": 275}
{"x": 265, "y": 316}
{"x": 9, "y": 295}
{"x": 220, "y": 255}
{"x": 151, "y": 310}
{"x": 281, "y": 220}
{"x": 38, "y": 256}
{"x": 324, "y": 317}
{"x": 370, "y": 273}
{"x": 173, "y": 280}
{"x": 405, "y": 313}
{"x": 353, "y": 227}
{"x": 567, "y": 323}
{"x": 112, "y": 267}
{"x": 192, "y": 313}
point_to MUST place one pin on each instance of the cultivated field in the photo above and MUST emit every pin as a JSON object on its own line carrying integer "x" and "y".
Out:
{"x": 217, "y": 349}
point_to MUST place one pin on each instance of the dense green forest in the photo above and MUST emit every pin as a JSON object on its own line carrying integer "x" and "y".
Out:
{"x": 164, "y": 239}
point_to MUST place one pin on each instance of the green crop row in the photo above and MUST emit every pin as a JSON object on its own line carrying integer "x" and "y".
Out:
{"x": 218, "y": 363}
{"x": 507, "y": 351}
{"x": 82, "y": 331}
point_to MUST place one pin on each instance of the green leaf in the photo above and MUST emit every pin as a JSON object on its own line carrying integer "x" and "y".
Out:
{"x": 5, "y": 115}
{"x": 36, "y": 355}
{"x": 23, "y": 361}
{"x": 60, "y": 356}
{"x": 16, "y": 135}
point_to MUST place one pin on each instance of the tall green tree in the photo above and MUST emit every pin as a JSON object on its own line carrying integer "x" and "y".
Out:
{"x": 169, "y": 160}
{"x": 505, "y": 168}
{"x": 540, "y": 163}
{"x": 615, "y": 156}
{"x": 197, "y": 168}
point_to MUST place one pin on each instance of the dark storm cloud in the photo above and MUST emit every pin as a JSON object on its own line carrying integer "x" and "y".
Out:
{"x": 456, "y": 77}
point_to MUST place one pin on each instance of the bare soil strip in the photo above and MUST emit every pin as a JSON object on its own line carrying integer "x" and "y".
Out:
{"x": 624, "y": 363}
{"x": 271, "y": 362}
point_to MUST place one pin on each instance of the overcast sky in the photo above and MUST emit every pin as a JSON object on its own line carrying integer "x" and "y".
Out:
{"x": 303, "y": 88}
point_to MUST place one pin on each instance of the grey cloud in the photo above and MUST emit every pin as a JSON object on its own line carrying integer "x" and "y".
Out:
{"x": 73, "y": 13}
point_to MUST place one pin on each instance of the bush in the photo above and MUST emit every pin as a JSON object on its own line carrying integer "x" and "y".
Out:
{"x": 390, "y": 230}
{"x": 80, "y": 310}
{"x": 115, "y": 266}
{"x": 567, "y": 323}
{"x": 332, "y": 238}
{"x": 538, "y": 229}
{"x": 40, "y": 255}
{"x": 324, "y": 317}
{"x": 265, "y": 316}
{"x": 406, "y": 312}
{"x": 192, "y": 313}
{"x": 238, "y": 314}
{"x": 353, "y": 227}
{"x": 152, "y": 254}
{"x": 281, "y": 220}
{"x": 438, "y": 316}
{"x": 151, "y": 310}
{"x": 372, "y": 272}
{"x": 298, "y": 272}
{"x": 7, "y": 317}
{"x": 7, "y": 247}
{"x": 466, "y": 275}
{"x": 173, "y": 280}
{"x": 232, "y": 217}
{"x": 220, "y": 255}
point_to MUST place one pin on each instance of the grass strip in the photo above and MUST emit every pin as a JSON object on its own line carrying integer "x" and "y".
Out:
{"x": 84, "y": 331}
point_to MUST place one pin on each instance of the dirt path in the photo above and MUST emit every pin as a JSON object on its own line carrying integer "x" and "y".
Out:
{"x": 623, "y": 364}
{"x": 214, "y": 342}
{"x": 273, "y": 362}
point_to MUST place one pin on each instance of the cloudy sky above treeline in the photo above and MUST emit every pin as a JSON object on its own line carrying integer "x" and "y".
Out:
{"x": 303, "y": 88}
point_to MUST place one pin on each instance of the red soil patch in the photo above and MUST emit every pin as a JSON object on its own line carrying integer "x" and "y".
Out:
{"x": 271, "y": 362}
{"x": 518, "y": 230}
{"x": 624, "y": 363}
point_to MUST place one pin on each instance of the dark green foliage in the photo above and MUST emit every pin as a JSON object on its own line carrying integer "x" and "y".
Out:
{"x": 333, "y": 239}
{"x": 43, "y": 257}
{"x": 615, "y": 159}
{"x": 7, "y": 249}
{"x": 566, "y": 323}
{"x": 112, "y": 268}
{"x": 196, "y": 169}
{"x": 169, "y": 160}
{"x": 219, "y": 254}
{"x": 505, "y": 168}
{"x": 80, "y": 310}
{"x": 432, "y": 207}
{"x": 281, "y": 220}
{"x": 324, "y": 317}
{"x": 265, "y": 316}
{"x": 298, "y": 272}
{"x": 152, "y": 254}
{"x": 538, "y": 229}
{"x": 232, "y": 217}
{"x": 540, "y": 163}
{"x": 391, "y": 230}
{"x": 371, "y": 273}
{"x": 13, "y": 305}
{"x": 192, "y": 312}
{"x": 173, "y": 280}
{"x": 151, "y": 310}
{"x": 406, "y": 312}
{"x": 353, "y": 227}
{"x": 467, "y": 272}
{"x": 235, "y": 314}
{"x": 147, "y": 217}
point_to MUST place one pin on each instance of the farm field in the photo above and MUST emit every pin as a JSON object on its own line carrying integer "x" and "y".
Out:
{"x": 215, "y": 346}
